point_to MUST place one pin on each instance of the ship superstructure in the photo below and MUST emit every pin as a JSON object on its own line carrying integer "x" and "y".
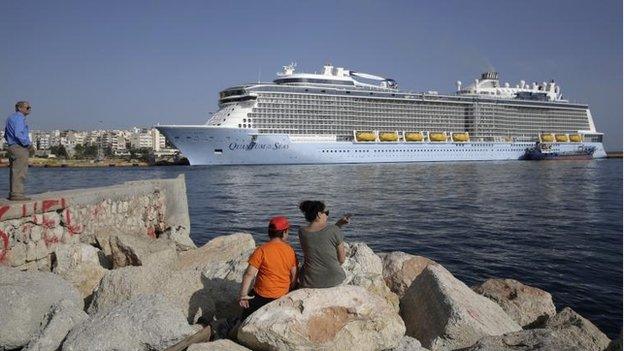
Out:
{"x": 303, "y": 117}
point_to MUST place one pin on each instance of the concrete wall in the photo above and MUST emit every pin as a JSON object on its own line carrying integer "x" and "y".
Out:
{"x": 30, "y": 231}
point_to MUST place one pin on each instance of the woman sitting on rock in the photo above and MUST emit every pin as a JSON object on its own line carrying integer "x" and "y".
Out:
{"x": 322, "y": 246}
{"x": 274, "y": 265}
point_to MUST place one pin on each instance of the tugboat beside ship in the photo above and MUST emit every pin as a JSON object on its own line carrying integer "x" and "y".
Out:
{"x": 544, "y": 151}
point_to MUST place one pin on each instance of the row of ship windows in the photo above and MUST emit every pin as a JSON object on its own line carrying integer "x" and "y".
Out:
{"x": 414, "y": 150}
{"x": 429, "y": 120}
{"x": 291, "y": 96}
{"x": 412, "y": 116}
{"x": 385, "y": 114}
{"x": 455, "y": 127}
{"x": 289, "y": 99}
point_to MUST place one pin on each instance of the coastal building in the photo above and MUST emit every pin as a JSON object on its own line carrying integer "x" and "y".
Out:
{"x": 118, "y": 141}
{"x": 147, "y": 138}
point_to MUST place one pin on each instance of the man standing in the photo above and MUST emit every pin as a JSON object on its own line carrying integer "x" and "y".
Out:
{"x": 16, "y": 136}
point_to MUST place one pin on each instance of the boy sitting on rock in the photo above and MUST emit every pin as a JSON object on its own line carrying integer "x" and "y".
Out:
{"x": 274, "y": 265}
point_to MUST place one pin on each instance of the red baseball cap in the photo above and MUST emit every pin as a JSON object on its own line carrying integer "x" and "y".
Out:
{"x": 279, "y": 223}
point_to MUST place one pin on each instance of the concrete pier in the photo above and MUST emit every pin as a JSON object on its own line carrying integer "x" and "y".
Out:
{"x": 31, "y": 231}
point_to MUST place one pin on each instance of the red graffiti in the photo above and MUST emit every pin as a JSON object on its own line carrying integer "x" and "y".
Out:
{"x": 35, "y": 219}
{"x": 49, "y": 240}
{"x": 151, "y": 232}
{"x": 48, "y": 223}
{"x": 3, "y": 210}
{"x": 26, "y": 229}
{"x": 47, "y": 204}
{"x": 24, "y": 210}
{"x": 71, "y": 228}
{"x": 5, "y": 245}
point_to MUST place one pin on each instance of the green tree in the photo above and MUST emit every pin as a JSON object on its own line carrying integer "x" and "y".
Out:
{"x": 141, "y": 154}
{"x": 59, "y": 151}
{"x": 85, "y": 152}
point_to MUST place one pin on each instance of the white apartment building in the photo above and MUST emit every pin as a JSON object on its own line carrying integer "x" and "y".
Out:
{"x": 147, "y": 138}
{"x": 119, "y": 142}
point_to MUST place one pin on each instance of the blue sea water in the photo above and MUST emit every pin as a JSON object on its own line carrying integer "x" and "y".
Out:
{"x": 553, "y": 225}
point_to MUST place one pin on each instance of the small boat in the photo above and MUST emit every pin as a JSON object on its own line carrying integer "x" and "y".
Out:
{"x": 562, "y": 138}
{"x": 413, "y": 136}
{"x": 388, "y": 136}
{"x": 365, "y": 136}
{"x": 543, "y": 151}
{"x": 437, "y": 137}
{"x": 460, "y": 137}
{"x": 547, "y": 138}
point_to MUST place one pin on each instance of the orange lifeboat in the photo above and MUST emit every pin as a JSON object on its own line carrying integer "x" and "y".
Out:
{"x": 460, "y": 137}
{"x": 413, "y": 136}
{"x": 388, "y": 136}
{"x": 365, "y": 136}
{"x": 547, "y": 138}
{"x": 437, "y": 136}
{"x": 562, "y": 138}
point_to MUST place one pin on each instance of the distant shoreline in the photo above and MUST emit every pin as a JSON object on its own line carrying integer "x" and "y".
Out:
{"x": 55, "y": 163}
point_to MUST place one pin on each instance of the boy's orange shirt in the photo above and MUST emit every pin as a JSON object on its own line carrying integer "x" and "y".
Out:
{"x": 274, "y": 261}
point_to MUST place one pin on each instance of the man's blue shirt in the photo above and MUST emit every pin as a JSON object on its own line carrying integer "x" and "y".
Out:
{"x": 16, "y": 130}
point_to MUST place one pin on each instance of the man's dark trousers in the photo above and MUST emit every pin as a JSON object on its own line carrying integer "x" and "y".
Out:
{"x": 18, "y": 158}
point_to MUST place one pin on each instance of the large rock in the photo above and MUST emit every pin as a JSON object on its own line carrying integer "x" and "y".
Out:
{"x": 81, "y": 264}
{"x": 573, "y": 326}
{"x": 400, "y": 269}
{"x": 364, "y": 268}
{"x": 25, "y": 299}
{"x": 526, "y": 305}
{"x": 204, "y": 282}
{"x": 443, "y": 313}
{"x": 218, "y": 345}
{"x": 143, "y": 323}
{"x": 134, "y": 250}
{"x": 233, "y": 247}
{"x": 526, "y": 340}
{"x": 61, "y": 318}
{"x": 180, "y": 236}
{"x": 340, "y": 318}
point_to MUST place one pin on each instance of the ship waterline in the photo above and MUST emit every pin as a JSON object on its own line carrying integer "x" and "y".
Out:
{"x": 335, "y": 117}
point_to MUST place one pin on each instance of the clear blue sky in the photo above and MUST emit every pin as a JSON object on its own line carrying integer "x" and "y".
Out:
{"x": 128, "y": 63}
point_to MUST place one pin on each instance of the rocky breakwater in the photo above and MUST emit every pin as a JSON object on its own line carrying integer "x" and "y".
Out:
{"x": 152, "y": 293}
{"x": 140, "y": 289}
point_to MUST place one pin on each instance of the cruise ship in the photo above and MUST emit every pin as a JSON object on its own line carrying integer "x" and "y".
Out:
{"x": 345, "y": 116}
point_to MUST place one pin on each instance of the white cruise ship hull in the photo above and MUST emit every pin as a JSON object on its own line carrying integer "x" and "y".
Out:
{"x": 208, "y": 145}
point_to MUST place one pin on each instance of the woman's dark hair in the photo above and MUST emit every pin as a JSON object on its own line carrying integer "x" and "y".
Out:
{"x": 311, "y": 208}
{"x": 273, "y": 233}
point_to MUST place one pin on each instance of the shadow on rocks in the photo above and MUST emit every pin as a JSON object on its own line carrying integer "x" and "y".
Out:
{"x": 216, "y": 300}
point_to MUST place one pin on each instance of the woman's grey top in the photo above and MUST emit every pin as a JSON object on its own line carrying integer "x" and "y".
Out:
{"x": 321, "y": 268}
